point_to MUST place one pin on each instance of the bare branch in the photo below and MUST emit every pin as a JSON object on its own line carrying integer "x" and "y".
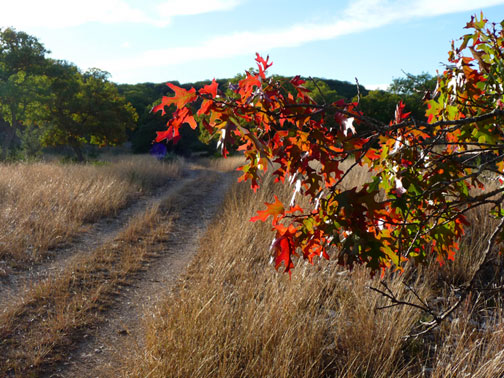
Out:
{"x": 469, "y": 287}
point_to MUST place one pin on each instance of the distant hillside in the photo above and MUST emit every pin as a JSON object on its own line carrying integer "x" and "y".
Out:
{"x": 143, "y": 95}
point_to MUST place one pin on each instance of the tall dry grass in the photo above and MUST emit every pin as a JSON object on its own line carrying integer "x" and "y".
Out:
{"x": 46, "y": 322}
{"x": 43, "y": 205}
{"x": 233, "y": 315}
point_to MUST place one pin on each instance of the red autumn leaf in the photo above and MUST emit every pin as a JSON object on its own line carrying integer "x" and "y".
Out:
{"x": 275, "y": 209}
{"x": 297, "y": 81}
{"x": 205, "y": 107}
{"x": 284, "y": 249}
{"x": 399, "y": 114}
{"x": 180, "y": 117}
{"x": 372, "y": 154}
{"x": 164, "y": 102}
{"x": 210, "y": 89}
{"x": 167, "y": 134}
{"x": 182, "y": 97}
{"x": 263, "y": 65}
{"x": 249, "y": 82}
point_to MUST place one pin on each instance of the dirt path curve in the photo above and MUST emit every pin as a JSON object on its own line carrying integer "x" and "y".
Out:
{"x": 100, "y": 232}
{"x": 122, "y": 329}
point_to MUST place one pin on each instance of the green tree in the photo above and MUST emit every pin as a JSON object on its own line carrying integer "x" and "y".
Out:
{"x": 22, "y": 82}
{"x": 142, "y": 96}
{"x": 414, "y": 90}
{"x": 379, "y": 104}
{"x": 413, "y": 84}
{"x": 85, "y": 109}
{"x": 321, "y": 92}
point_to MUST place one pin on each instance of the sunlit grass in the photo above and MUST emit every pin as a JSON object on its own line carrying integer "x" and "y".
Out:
{"x": 43, "y": 205}
{"x": 233, "y": 315}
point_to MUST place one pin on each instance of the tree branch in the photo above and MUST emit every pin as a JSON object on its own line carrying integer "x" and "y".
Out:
{"x": 470, "y": 286}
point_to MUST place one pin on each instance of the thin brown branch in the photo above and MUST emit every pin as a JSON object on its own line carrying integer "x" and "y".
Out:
{"x": 469, "y": 287}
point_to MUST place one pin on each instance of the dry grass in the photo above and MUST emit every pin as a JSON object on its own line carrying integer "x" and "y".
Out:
{"x": 218, "y": 164}
{"x": 225, "y": 165}
{"x": 43, "y": 205}
{"x": 144, "y": 171}
{"x": 41, "y": 327}
{"x": 232, "y": 315}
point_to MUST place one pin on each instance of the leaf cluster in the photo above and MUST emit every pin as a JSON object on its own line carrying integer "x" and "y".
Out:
{"x": 424, "y": 174}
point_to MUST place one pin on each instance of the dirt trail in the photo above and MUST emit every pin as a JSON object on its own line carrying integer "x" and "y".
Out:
{"x": 102, "y": 346}
{"x": 13, "y": 285}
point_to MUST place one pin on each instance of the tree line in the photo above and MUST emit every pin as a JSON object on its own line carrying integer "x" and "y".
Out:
{"x": 49, "y": 103}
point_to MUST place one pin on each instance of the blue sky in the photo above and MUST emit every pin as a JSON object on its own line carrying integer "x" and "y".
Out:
{"x": 190, "y": 40}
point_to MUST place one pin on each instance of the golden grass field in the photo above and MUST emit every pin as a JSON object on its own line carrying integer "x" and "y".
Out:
{"x": 45, "y": 204}
{"x": 230, "y": 314}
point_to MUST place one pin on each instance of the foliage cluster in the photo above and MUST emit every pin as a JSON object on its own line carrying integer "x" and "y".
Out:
{"x": 426, "y": 174}
{"x": 144, "y": 96}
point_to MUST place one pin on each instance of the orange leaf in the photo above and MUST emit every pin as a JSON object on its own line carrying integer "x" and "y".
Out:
{"x": 182, "y": 98}
{"x": 275, "y": 209}
{"x": 205, "y": 106}
{"x": 210, "y": 89}
{"x": 249, "y": 82}
{"x": 372, "y": 155}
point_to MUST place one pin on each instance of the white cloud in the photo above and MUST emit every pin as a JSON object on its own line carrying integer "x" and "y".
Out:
{"x": 393, "y": 10}
{"x": 171, "y": 8}
{"x": 437, "y": 7}
{"x": 360, "y": 16}
{"x": 242, "y": 43}
{"x": 66, "y": 13}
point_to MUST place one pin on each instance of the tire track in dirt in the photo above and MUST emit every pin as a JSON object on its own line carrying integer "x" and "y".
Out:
{"x": 103, "y": 346}
{"x": 13, "y": 285}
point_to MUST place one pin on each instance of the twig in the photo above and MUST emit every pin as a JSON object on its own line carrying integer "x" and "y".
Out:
{"x": 437, "y": 320}
{"x": 358, "y": 92}
{"x": 320, "y": 91}
{"x": 439, "y": 317}
{"x": 395, "y": 300}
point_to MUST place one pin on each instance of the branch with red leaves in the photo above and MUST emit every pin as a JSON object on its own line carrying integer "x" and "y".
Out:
{"x": 423, "y": 176}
